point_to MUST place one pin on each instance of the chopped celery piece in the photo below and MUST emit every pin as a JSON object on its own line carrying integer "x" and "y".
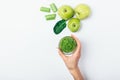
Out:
{"x": 53, "y": 7}
{"x": 50, "y": 17}
{"x": 45, "y": 9}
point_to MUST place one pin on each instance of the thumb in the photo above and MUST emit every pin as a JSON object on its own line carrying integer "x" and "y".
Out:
{"x": 61, "y": 54}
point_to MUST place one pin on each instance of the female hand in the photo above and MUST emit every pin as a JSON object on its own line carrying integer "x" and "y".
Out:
{"x": 72, "y": 61}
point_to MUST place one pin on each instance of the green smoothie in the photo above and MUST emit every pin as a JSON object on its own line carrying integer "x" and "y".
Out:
{"x": 67, "y": 44}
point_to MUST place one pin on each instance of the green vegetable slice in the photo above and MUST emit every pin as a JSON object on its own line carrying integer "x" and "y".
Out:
{"x": 53, "y": 7}
{"x": 50, "y": 16}
{"x": 59, "y": 26}
{"x": 45, "y": 9}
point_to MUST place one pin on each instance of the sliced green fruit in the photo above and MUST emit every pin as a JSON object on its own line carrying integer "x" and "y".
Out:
{"x": 53, "y": 7}
{"x": 67, "y": 44}
{"x": 59, "y": 26}
{"x": 45, "y": 9}
{"x": 50, "y": 16}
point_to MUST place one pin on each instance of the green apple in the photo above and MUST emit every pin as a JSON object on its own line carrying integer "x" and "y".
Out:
{"x": 67, "y": 44}
{"x": 82, "y": 11}
{"x": 74, "y": 24}
{"x": 65, "y": 12}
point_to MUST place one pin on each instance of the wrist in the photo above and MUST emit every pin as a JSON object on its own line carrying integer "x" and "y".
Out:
{"x": 76, "y": 73}
{"x": 74, "y": 69}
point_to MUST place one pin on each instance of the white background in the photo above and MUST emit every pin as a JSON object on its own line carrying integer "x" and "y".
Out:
{"x": 28, "y": 44}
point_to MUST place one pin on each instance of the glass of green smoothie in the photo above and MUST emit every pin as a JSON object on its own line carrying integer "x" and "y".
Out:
{"x": 67, "y": 45}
